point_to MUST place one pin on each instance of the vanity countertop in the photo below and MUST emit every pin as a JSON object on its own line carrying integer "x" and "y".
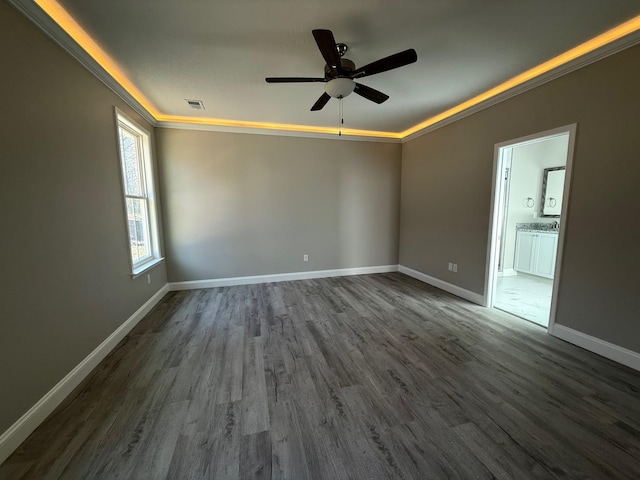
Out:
{"x": 537, "y": 227}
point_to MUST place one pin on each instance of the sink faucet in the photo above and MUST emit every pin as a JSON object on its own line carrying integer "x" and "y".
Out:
{"x": 555, "y": 225}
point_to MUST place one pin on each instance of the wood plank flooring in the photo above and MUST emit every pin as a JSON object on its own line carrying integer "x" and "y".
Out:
{"x": 367, "y": 377}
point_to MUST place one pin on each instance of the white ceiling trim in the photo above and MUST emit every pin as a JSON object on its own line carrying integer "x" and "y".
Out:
{"x": 32, "y": 11}
{"x": 279, "y": 133}
{"x": 587, "y": 59}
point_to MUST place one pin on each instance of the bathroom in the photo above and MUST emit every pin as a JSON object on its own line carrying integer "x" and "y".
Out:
{"x": 531, "y": 198}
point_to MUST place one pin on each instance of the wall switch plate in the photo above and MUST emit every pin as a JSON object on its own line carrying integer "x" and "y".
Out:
{"x": 148, "y": 278}
{"x": 306, "y": 258}
{"x": 455, "y": 267}
{"x": 450, "y": 266}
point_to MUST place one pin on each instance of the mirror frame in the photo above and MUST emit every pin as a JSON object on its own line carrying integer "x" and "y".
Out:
{"x": 544, "y": 190}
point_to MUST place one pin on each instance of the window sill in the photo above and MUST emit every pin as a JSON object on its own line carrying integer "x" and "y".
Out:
{"x": 142, "y": 269}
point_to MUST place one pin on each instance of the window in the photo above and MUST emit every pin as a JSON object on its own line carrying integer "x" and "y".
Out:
{"x": 139, "y": 199}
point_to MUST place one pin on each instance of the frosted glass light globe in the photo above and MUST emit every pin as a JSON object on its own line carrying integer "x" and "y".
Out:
{"x": 339, "y": 87}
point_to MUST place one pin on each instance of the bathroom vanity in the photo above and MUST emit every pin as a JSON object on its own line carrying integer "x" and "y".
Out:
{"x": 536, "y": 249}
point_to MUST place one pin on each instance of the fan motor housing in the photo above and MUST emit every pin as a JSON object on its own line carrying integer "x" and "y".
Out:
{"x": 347, "y": 65}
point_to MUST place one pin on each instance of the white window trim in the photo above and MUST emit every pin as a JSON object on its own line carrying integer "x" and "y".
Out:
{"x": 149, "y": 179}
{"x": 142, "y": 269}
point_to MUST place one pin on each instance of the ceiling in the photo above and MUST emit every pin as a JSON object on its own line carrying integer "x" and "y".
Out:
{"x": 220, "y": 51}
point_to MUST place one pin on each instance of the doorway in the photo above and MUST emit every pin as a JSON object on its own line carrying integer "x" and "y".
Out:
{"x": 530, "y": 196}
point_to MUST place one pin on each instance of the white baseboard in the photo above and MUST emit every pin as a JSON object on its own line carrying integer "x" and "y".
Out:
{"x": 280, "y": 277}
{"x": 19, "y": 431}
{"x": 608, "y": 350}
{"x": 507, "y": 272}
{"x": 442, "y": 285}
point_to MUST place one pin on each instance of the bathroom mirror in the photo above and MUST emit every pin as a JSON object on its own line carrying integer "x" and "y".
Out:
{"x": 552, "y": 189}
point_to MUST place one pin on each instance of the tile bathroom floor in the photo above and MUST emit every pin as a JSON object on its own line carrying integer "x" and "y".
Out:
{"x": 526, "y": 296}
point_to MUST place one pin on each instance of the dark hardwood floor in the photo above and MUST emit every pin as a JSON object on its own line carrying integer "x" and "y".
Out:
{"x": 366, "y": 377}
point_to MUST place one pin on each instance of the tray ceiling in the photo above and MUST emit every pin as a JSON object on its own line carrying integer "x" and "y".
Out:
{"x": 221, "y": 51}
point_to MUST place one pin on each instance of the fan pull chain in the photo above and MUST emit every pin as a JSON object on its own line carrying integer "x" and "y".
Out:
{"x": 341, "y": 110}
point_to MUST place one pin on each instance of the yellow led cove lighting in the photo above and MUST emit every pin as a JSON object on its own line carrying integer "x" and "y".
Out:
{"x": 616, "y": 33}
{"x": 82, "y": 38}
{"x": 274, "y": 126}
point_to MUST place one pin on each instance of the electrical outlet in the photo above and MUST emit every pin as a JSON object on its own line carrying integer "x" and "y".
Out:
{"x": 306, "y": 258}
{"x": 450, "y": 266}
{"x": 149, "y": 278}
{"x": 455, "y": 268}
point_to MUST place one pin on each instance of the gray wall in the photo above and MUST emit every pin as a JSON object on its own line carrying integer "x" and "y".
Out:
{"x": 446, "y": 194}
{"x": 63, "y": 250}
{"x": 238, "y": 204}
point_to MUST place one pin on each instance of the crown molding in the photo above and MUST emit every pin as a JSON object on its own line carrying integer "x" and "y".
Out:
{"x": 33, "y": 12}
{"x": 274, "y": 132}
{"x": 587, "y": 59}
{"x": 43, "y": 21}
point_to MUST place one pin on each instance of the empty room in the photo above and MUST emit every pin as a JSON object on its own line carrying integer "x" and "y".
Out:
{"x": 320, "y": 240}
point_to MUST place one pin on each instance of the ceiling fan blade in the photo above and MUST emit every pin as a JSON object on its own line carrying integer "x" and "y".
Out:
{"x": 327, "y": 46}
{"x": 370, "y": 93}
{"x": 293, "y": 79}
{"x": 322, "y": 101}
{"x": 388, "y": 63}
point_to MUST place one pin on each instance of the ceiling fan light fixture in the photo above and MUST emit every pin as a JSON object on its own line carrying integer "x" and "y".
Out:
{"x": 339, "y": 87}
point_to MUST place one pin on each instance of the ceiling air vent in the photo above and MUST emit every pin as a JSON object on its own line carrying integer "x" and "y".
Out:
{"x": 196, "y": 104}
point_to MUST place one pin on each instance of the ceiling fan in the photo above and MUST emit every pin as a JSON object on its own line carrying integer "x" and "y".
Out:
{"x": 340, "y": 73}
